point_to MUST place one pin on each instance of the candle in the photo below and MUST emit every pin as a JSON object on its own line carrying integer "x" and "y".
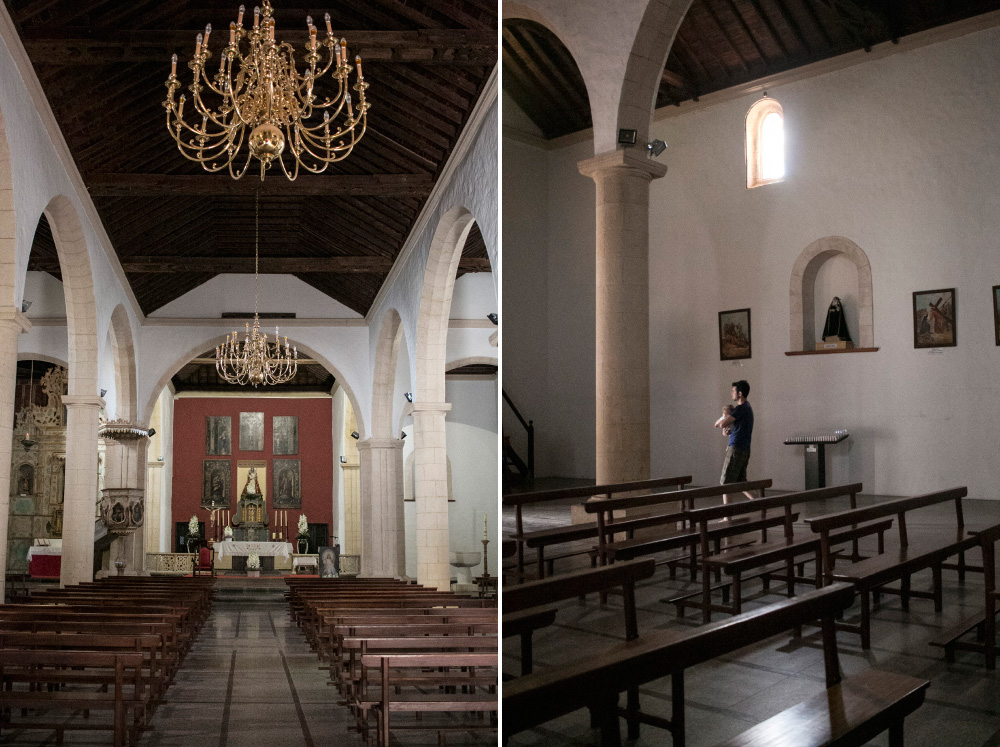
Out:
{"x": 239, "y": 20}
{"x": 197, "y": 46}
{"x": 485, "y": 533}
{"x": 173, "y": 65}
{"x": 232, "y": 33}
{"x": 208, "y": 33}
{"x": 357, "y": 61}
{"x": 329, "y": 28}
{"x": 256, "y": 17}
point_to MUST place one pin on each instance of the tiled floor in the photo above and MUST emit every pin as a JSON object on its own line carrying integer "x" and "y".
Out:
{"x": 727, "y": 696}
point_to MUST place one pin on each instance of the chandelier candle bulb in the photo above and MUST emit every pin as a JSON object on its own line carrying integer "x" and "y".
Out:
{"x": 329, "y": 27}
{"x": 173, "y": 66}
{"x": 197, "y": 46}
{"x": 208, "y": 32}
{"x": 256, "y": 17}
{"x": 239, "y": 18}
{"x": 357, "y": 61}
{"x": 232, "y": 35}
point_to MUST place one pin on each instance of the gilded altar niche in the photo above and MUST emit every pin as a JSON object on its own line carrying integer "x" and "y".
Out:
{"x": 38, "y": 473}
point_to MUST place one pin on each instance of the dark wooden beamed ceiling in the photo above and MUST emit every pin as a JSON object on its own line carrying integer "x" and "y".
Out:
{"x": 720, "y": 43}
{"x": 103, "y": 63}
{"x": 200, "y": 375}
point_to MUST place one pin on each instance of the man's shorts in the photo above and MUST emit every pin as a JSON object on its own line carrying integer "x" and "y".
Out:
{"x": 734, "y": 469}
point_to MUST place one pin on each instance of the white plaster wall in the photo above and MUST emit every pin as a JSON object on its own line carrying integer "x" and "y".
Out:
{"x": 41, "y": 170}
{"x": 472, "y": 183}
{"x": 473, "y": 403}
{"x": 106, "y": 379}
{"x": 48, "y": 299}
{"x": 474, "y": 297}
{"x": 402, "y": 384}
{"x": 339, "y": 413}
{"x": 234, "y": 293}
{"x": 469, "y": 342}
{"x": 549, "y": 301}
{"x": 896, "y": 154}
{"x": 343, "y": 348}
{"x": 473, "y": 455}
{"x": 50, "y": 342}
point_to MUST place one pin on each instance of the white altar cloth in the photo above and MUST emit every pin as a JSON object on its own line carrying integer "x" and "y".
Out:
{"x": 231, "y": 547}
{"x": 44, "y": 550}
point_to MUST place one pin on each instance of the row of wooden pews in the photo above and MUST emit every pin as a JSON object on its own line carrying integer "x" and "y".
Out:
{"x": 113, "y": 645}
{"x": 397, "y": 652}
{"x": 725, "y": 546}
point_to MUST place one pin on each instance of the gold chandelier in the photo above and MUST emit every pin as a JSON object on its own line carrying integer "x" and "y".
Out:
{"x": 255, "y": 360}
{"x": 264, "y": 95}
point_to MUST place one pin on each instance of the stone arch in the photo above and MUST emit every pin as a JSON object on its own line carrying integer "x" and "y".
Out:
{"x": 123, "y": 350}
{"x": 435, "y": 302}
{"x": 8, "y": 234}
{"x": 472, "y": 360}
{"x": 42, "y": 357}
{"x": 390, "y": 337}
{"x": 78, "y": 284}
{"x": 211, "y": 342}
{"x": 802, "y": 322}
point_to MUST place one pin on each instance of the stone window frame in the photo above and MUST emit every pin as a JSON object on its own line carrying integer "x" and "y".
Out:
{"x": 802, "y": 321}
{"x": 754, "y": 126}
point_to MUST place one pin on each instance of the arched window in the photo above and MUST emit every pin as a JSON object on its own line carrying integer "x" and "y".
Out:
{"x": 765, "y": 143}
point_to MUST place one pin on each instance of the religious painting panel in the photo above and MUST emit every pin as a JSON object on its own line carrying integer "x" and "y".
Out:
{"x": 216, "y": 486}
{"x": 934, "y": 318}
{"x": 287, "y": 483}
{"x": 26, "y": 479}
{"x": 996, "y": 311}
{"x": 285, "y": 434}
{"x": 734, "y": 334}
{"x": 329, "y": 562}
{"x": 251, "y": 431}
{"x": 218, "y": 435}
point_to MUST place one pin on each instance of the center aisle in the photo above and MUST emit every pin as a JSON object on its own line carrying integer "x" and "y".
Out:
{"x": 250, "y": 679}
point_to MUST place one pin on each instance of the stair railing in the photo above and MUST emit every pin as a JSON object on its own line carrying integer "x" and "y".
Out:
{"x": 529, "y": 427}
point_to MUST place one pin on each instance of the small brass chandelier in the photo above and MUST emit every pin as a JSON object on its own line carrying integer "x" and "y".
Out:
{"x": 264, "y": 95}
{"x": 256, "y": 361}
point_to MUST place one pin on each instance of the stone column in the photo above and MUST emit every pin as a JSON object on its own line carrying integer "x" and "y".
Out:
{"x": 12, "y": 323}
{"x": 80, "y": 505}
{"x": 430, "y": 488}
{"x": 383, "y": 549}
{"x": 622, "y": 344}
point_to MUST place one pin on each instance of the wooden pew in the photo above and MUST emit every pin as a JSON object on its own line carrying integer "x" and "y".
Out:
{"x": 871, "y": 576}
{"x": 569, "y": 534}
{"x": 850, "y": 711}
{"x": 18, "y": 667}
{"x": 394, "y": 669}
{"x": 739, "y": 562}
{"x": 521, "y": 598}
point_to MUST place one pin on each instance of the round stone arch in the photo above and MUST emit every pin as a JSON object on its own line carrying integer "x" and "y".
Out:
{"x": 78, "y": 285}
{"x": 41, "y": 357}
{"x": 435, "y": 302}
{"x": 619, "y": 98}
{"x": 390, "y": 336}
{"x": 8, "y": 234}
{"x": 802, "y": 322}
{"x": 123, "y": 350}
{"x": 211, "y": 342}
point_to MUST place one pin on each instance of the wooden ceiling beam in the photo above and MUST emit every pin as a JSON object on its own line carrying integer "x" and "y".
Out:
{"x": 79, "y": 45}
{"x": 157, "y": 185}
{"x": 268, "y": 265}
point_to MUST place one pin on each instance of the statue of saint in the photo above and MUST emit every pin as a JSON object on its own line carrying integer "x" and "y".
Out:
{"x": 836, "y": 324}
{"x": 252, "y": 487}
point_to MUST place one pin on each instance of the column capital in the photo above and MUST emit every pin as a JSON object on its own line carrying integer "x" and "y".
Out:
{"x": 11, "y": 316}
{"x": 381, "y": 443}
{"x": 83, "y": 400}
{"x": 421, "y": 407}
{"x": 627, "y": 158}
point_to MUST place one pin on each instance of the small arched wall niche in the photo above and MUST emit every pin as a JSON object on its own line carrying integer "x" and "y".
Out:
{"x": 802, "y": 293}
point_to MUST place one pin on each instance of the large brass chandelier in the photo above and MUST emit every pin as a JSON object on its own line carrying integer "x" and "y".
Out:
{"x": 256, "y": 361}
{"x": 266, "y": 102}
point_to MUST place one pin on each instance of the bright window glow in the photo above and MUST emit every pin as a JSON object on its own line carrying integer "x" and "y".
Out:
{"x": 772, "y": 147}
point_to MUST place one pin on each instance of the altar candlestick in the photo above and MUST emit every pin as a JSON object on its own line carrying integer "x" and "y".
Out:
{"x": 485, "y": 533}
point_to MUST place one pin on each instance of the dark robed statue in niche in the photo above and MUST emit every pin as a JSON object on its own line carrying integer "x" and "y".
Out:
{"x": 836, "y": 323}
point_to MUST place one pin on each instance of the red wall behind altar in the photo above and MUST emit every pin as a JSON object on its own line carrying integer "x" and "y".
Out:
{"x": 315, "y": 452}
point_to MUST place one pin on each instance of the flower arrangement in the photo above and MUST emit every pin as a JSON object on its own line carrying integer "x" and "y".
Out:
{"x": 303, "y": 526}
{"x": 253, "y": 562}
{"x": 193, "y": 526}
{"x": 227, "y": 532}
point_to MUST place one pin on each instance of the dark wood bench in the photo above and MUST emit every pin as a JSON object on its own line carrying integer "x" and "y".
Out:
{"x": 792, "y": 547}
{"x": 384, "y": 690}
{"x": 871, "y": 576}
{"x": 850, "y": 711}
{"x": 572, "y": 532}
{"x": 19, "y": 667}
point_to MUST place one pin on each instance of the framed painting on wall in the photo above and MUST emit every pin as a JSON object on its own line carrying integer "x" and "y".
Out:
{"x": 934, "y": 318}
{"x": 287, "y": 483}
{"x": 218, "y": 435}
{"x": 285, "y": 434}
{"x": 216, "y": 483}
{"x": 996, "y": 311}
{"x": 251, "y": 431}
{"x": 734, "y": 334}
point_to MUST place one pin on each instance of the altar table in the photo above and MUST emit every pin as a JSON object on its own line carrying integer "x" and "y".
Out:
{"x": 263, "y": 549}
{"x": 45, "y": 561}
